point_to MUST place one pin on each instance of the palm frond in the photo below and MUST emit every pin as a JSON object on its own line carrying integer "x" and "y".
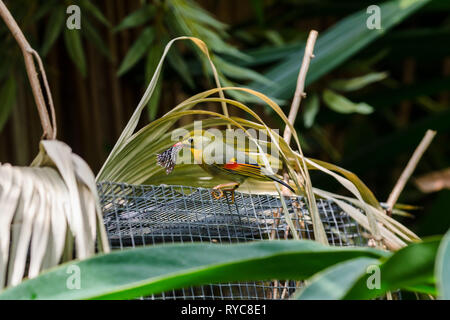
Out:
{"x": 133, "y": 158}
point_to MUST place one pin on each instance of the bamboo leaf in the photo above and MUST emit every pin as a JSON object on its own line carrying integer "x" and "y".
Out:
{"x": 312, "y": 105}
{"x": 151, "y": 65}
{"x": 74, "y": 47}
{"x": 236, "y": 72}
{"x": 339, "y": 103}
{"x": 53, "y": 30}
{"x": 94, "y": 11}
{"x": 137, "y": 50}
{"x": 179, "y": 65}
{"x": 335, "y": 46}
{"x": 137, "y": 18}
{"x": 93, "y": 36}
{"x": 358, "y": 82}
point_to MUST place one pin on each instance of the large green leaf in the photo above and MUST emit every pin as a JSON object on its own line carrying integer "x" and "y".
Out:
{"x": 410, "y": 267}
{"x": 443, "y": 267}
{"x": 335, "y": 46}
{"x": 333, "y": 282}
{"x": 144, "y": 271}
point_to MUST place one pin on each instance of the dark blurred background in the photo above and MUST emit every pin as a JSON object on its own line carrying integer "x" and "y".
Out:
{"x": 366, "y": 112}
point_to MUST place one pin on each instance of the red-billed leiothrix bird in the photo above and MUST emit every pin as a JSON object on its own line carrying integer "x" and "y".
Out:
{"x": 218, "y": 159}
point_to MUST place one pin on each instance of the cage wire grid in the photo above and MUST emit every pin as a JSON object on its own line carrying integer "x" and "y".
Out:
{"x": 143, "y": 215}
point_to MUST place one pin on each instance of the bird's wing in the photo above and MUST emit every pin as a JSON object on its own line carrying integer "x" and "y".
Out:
{"x": 239, "y": 162}
{"x": 245, "y": 169}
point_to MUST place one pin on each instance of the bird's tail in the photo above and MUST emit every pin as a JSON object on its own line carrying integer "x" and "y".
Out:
{"x": 281, "y": 182}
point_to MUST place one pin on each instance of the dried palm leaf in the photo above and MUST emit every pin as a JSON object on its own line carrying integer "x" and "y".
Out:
{"x": 49, "y": 211}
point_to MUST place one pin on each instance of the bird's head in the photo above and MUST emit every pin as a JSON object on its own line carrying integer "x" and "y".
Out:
{"x": 196, "y": 141}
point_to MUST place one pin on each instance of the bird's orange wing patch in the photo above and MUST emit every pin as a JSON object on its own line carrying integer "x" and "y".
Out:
{"x": 245, "y": 169}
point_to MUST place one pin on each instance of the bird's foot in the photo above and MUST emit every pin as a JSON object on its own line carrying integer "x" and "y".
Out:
{"x": 218, "y": 191}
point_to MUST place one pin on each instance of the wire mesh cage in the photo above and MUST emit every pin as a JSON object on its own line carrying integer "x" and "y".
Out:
{"x": 145, "y": 215}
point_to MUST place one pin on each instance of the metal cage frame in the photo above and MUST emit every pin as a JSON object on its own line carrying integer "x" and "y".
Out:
{"x": 142, "y": 215}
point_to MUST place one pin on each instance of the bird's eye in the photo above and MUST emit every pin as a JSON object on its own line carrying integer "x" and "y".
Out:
{"x": 191, "y": 140}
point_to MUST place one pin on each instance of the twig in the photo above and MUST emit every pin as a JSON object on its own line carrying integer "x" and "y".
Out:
{"x": 412, "y": 163}
{"x": 28, "y": 53}
{"x": 47, "y": 91}
{"x": 319, "y": 230}
{"x": 299, "y": 91}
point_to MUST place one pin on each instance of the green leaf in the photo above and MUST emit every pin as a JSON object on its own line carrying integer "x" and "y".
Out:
{"x": 411, "y": 266}
{"x": 94, "y": 11}
{"x": 44, "y": 8}
{"x": 335, "y": 46}
{"x": 150, "y": 68}
{"x": 312, "y": 106}
{"x": 143, "y": 271}
{"x": 179, "y": 65}
{"x": 340, "y": 104}
{"x": 74, "y": 48}
{"x": 7, "y": 100}
{"x": 443, "y": 267}
{"x": 333, "y": 282}
{"x": 266, "y": 55}
{"x": 240, "y": 73}
{"x": 137, "y": 50}
{"x": 53, "y": 29}
{"x": 93, "y": 36}
{"x": 358, "y": 82}
{"x": 194, "y": 12}
{"x": 137, "y": 18}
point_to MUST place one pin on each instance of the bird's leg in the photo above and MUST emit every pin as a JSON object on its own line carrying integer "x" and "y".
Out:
{"x": 218, "y": 190}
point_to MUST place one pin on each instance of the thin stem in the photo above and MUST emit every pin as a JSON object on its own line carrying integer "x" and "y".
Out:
{"x": 28, "y": 53}
{"x": 299, "y": 93}
{"x": 300, "y": 89}
{"x": 319, "y": 230}
{"x": 407, "y": 172}
{"x": 47, "y": 91}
